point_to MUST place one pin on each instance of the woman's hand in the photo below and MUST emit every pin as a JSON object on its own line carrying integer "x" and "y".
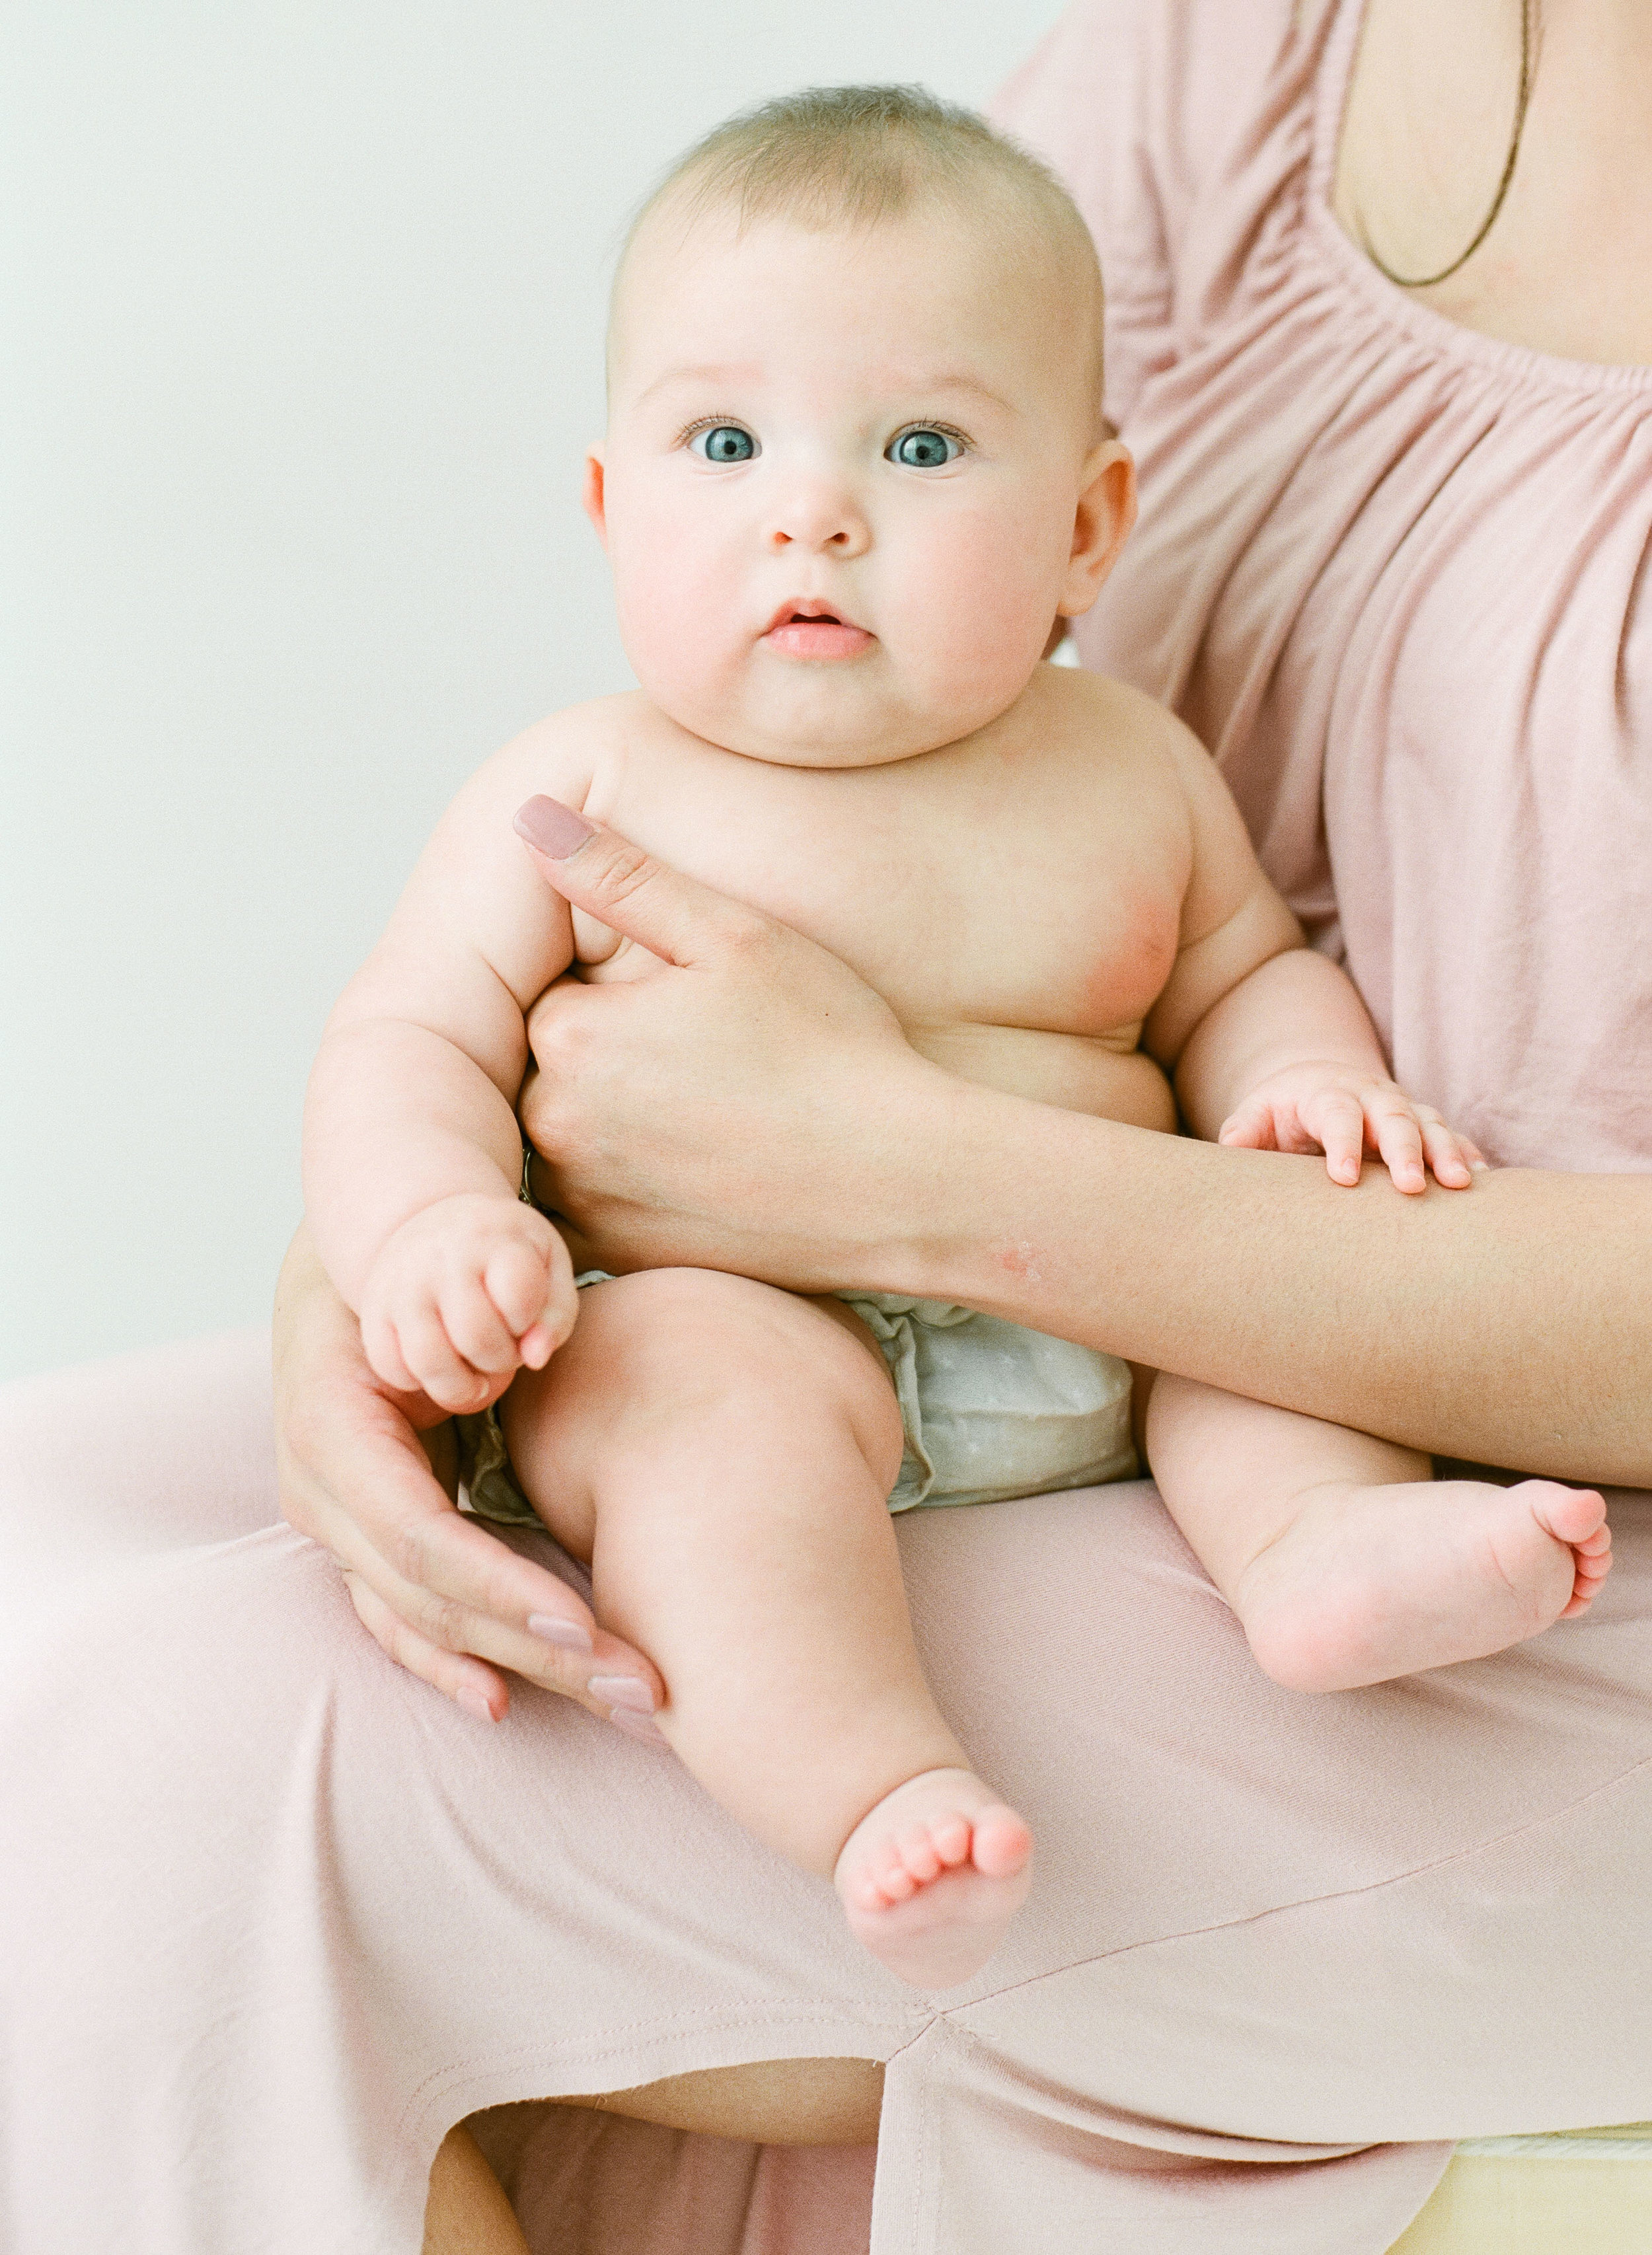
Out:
{"x": 444, "y": 1599}
{"x": 754, "y": 1107}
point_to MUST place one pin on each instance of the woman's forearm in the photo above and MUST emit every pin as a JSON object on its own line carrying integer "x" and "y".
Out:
{"x": 1511, "y": 1323}
{"x": 754, "y": 1107}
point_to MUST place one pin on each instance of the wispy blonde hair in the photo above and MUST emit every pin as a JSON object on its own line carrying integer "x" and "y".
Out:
{"x": 856, "y": 156}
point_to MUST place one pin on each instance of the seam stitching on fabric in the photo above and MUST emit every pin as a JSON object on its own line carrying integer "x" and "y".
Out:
{"x": 1308, "y": 1902}
{"x": 551, "y": 2049}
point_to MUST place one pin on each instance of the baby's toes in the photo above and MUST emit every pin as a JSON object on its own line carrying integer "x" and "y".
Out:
{"x": 870, "y": 1888}
{"x": 954, "y": 1836}
{"x": 919, "y": 1859}
{"x": 1002, "y": 1842}
{"x": 895, "y": 1883}
{"x": 1570, "y": 1514}
{"x": 864, "y": 1891}
{"x": 1591, "y": 1569}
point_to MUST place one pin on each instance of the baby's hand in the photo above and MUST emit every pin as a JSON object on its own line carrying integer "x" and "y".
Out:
{"x": 462, "y": 1295}
{"x": 1345, "y": 1112}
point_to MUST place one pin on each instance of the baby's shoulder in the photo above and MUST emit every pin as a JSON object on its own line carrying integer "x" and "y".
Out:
{"x": 566, "y": 755}
{"x": 572, "y": 756}
{"x": 1120, "y": 739}
{"x": 1096, "y": 711}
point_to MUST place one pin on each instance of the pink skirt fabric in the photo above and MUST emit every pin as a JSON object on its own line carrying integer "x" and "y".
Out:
{"x": 274, "y": 1915}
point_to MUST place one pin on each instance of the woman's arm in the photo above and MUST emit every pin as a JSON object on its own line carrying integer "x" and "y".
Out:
{"x": 755, "y": 1108}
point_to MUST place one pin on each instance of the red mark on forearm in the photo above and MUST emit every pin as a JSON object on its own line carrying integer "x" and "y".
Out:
{"x": 1021, "y": 1261}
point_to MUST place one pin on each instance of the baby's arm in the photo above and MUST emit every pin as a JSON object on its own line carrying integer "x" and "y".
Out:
{"x": 1269, "y": 1043}
{"x": 411, "y": 1153}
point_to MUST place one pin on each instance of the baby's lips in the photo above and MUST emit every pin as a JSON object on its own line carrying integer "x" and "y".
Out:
{"x": 818, "y": 638}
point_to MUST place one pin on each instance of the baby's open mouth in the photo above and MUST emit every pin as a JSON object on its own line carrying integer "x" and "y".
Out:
{"x": 807, "y": 629}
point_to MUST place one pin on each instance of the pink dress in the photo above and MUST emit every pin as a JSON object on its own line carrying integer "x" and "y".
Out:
{"x": 273, "y": 1914}
{"x": 1394, "y": 573}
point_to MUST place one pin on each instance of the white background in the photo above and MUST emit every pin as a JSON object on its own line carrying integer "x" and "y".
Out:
{"x": 302, "y": 347}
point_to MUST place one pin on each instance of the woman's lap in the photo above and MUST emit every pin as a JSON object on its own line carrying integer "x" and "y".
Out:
{"x": 288, "y": 1914}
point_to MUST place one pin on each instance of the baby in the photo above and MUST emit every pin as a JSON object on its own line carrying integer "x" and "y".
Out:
{"x": 854, "y": 475}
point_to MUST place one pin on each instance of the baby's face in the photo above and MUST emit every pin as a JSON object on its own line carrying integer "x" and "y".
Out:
{"x": 843, "y": 485}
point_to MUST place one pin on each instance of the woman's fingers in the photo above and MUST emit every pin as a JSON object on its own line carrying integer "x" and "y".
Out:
{"x": 558, "y": 1645}
{"x": 441, "y": 1593}
{"x": 670, "y": 915}
{"x": 356, "y": 1478}
{"x": 479, "y": 1690}
{"x": 731, "y": 1034}
{"x": 444, "y": 1597}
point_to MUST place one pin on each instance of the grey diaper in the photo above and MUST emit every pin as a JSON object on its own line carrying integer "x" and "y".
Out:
{"x": 992, "y": 1410}
{"x": 989, "y": 1410}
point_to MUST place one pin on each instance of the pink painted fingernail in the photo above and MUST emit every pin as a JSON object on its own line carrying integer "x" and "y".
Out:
{"x": 623, "y": 1692}
{"x": 472, "y": 1701}
{"x": 551, "y": 828}
{"x": 637, "y": 1727}
{"x": 555, "y": 1630}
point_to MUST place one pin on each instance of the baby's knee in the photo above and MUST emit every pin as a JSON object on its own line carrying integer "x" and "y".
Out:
{"x": 671, "y": 1349}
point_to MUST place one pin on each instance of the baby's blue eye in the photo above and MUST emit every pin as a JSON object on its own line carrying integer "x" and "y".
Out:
{"x": 724, "y": 442}
{"x": 922, "y": 449}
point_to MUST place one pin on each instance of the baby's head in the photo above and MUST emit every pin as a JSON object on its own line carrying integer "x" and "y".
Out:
{"x": 855, "y": 465}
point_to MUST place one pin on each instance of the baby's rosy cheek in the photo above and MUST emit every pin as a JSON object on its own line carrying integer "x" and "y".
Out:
{"x": 986, "y": 615}
{"x": 678, "y": 595}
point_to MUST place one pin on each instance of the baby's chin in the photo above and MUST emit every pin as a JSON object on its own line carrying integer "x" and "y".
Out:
{"x": 822, "y": 727}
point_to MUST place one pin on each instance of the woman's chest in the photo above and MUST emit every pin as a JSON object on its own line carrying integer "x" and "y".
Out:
{"x": 1401, "y": 586}
{"x": 1362, "y": 574}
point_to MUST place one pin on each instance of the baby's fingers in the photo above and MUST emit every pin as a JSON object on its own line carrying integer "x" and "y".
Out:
{"x": 1451, "y": 1156}
{"x": 476, "y": 1329}
{"x": 1250, "y": 1129}
{"x": 383, "y": 1352}
{"x": 1335, "y": 1119}
{"x": 440, "y": 1370}
{"x": 1398, "y": 1137}
{"x": 536, "y": 1299}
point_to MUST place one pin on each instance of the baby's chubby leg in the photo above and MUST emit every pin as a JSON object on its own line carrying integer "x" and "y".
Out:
{"x": 1344, "y": 1561}
{"x": 722, "y": 1452}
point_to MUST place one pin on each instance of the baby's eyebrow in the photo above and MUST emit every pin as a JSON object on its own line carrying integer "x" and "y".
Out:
{"x": 927, "y": 384}
{"x": 718, "y": 372}
{"x": 903, "y": 383}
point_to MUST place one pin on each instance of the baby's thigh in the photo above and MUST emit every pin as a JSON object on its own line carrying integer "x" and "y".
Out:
{"x": 673, "y": 1358}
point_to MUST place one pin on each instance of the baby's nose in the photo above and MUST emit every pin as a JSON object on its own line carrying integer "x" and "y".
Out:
{"x": 822, "y": 519}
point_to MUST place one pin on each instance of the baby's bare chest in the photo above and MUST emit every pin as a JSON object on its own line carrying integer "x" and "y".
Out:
{"x": 972, "y": 893}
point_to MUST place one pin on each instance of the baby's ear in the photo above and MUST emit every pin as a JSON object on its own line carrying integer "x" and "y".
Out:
{"x": 1102, "y": 524}
{"x": 593, "y": 496}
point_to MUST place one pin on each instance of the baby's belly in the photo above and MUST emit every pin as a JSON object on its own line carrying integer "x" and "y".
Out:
{"x": 1070, "y": 1070}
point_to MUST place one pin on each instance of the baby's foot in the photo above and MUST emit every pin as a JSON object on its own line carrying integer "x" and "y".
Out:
{"x": 931, "y": 1877}
{"x": 1371, "y": 1582}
